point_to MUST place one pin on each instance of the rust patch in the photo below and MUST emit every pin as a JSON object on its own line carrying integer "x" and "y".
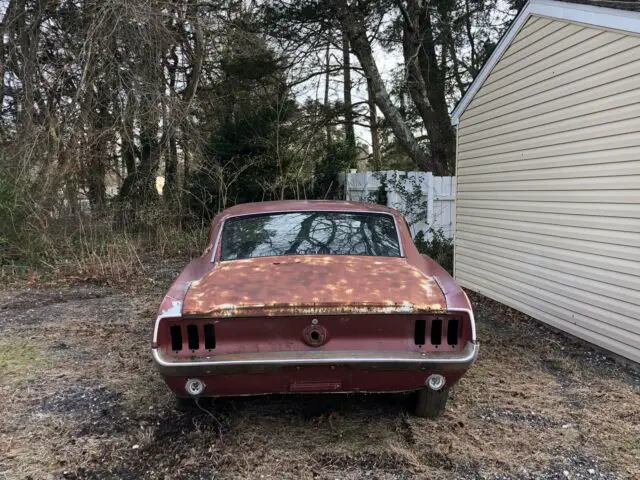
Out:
{"x": 301, "y": 309}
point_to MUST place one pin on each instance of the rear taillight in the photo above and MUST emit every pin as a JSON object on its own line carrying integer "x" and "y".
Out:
{"x": 198, "y": 337}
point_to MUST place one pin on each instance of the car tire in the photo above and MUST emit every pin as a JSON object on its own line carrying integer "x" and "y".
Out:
{"x": 430, "y": 403}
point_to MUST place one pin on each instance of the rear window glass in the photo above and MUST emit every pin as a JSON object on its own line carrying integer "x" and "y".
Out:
{"x": 310, "y": 233}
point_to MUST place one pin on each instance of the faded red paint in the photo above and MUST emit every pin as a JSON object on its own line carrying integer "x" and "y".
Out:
{"x": 374, "y": 332}
{"x": 267, "y": 304}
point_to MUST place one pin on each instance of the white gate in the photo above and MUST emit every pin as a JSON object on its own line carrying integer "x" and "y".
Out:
{"x": 438, "y": 196}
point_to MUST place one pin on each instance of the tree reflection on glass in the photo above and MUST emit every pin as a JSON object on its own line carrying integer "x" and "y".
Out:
{"x": 310, "y": 233}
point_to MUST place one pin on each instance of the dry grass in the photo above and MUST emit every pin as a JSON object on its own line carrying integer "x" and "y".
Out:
{"x": 82, "y": 400}
{"x": 94, "y": 248}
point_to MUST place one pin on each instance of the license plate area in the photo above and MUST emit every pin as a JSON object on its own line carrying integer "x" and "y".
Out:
{"x": 315, "y": 386}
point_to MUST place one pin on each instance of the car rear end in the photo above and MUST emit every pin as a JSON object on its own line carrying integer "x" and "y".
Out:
{"x": 296, "y": 352}
{"x": 317, "y": 301}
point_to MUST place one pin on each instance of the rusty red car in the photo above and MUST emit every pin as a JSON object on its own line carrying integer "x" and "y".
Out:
{"x": 314, "y": 296}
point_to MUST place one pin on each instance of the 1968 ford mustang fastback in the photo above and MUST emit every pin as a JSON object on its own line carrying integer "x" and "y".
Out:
{"x": 314, "y": 296}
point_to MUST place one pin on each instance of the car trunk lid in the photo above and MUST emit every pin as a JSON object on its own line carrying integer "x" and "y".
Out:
{"x": 318, "y": 284}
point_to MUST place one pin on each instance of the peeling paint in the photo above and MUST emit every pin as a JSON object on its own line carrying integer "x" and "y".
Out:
{"x": 175, "y": 310}
{"x": 228, "y": 310}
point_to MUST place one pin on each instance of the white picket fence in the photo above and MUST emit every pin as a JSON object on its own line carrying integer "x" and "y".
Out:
{"x": 439, "y": 194}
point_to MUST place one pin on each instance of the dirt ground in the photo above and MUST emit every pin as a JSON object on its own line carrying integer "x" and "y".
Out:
{"x": 81, "y": 399}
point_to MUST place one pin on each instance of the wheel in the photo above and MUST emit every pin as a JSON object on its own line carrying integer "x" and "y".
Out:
{"x": 430, "y": 403}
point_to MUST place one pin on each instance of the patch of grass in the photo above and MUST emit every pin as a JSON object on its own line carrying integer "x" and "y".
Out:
{"x": 19, "y": 359}
{"x": 524, "y": 363}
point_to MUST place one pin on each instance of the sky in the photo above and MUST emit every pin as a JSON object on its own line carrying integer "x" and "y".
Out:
{"x": 387, "y": 63}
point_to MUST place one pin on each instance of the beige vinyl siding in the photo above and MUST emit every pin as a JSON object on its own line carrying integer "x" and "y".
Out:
{"x": 548, "y": 173}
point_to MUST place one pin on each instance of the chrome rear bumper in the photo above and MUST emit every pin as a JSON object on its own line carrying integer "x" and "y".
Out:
{"x": 270, "y": 361}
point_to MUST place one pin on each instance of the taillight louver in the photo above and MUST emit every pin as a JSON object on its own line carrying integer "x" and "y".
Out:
{"x": 209, "y": 336}
{"x": 436, "y": 332}
{"x": 453, "y": 331}
{"x": 193, "y": 337}
{"x": 420, "y": 330}
{"x": 176, "y": 338}
{"x": 197, "y": 337}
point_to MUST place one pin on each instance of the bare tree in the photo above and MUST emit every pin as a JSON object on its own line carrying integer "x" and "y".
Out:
{"x": 376, "y": 154}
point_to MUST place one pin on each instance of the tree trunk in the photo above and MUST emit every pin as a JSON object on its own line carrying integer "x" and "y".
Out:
{"x": 4, "y": 33}
{"x": 98, "y": 105}
{"x": 170, "y": 188}
{"x": 443, "y": 148}
{"x": 373, "y": 125}
{"x": 350, "y": 136}
{"x": 149, "y": 160}
{"x": 473, "y": 70}
{"x": 326, "y": 88}
{"x": 426, "y": 83}
{"x": 95, "y": 176}
{"x": 356, "y": 31}
{"x": 128, "y": 149}
{"x": 28, "y": 46}
{"x": 186, "y": 153}
{"x": 141, "y": 188}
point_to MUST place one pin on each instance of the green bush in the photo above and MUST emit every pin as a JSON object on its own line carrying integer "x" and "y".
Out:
{"x": 440, "y": 248}
{"x": 336, "y": 157}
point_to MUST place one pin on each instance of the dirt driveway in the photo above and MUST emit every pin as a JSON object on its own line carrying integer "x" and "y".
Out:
{"x": 81, "y": 400}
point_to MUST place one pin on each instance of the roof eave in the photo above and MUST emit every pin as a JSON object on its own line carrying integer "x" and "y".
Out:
{"x": 616, "y": 19}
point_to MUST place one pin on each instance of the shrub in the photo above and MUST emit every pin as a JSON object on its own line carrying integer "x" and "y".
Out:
{"x": 99, "y": 246}
{"x": 439, "y": 248}
{"x": 12, "y": 213}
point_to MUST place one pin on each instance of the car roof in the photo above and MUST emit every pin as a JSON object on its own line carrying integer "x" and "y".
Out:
{"x": 281, "y": 206}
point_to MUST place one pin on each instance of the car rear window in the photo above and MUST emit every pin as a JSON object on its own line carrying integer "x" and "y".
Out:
{"x": 310, "y": 233}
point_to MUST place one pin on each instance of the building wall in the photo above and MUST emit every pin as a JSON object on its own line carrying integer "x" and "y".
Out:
{"x": 548, "y": 200}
